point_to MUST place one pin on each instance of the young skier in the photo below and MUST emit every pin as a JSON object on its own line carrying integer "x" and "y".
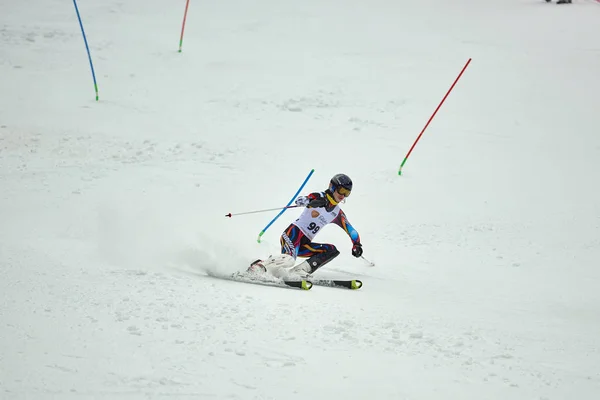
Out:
{"x": 322, "y": 208}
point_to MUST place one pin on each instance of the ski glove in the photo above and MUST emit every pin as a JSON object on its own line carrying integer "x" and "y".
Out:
{"x": 357, "y": 250}
{"x": 316, "y": 203}
{"x": 302, "y": 201}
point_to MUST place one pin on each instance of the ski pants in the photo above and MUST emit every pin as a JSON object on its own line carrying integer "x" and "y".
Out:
{"x": 296, "y": 244}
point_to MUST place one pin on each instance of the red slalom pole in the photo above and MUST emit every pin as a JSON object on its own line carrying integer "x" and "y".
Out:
{"x": 187, "y": 3}
{"x": 433, "y": 115}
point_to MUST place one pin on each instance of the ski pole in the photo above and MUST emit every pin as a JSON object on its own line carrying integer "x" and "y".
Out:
{"x": 372, "y": 264}
{"x": 259, "y": 211}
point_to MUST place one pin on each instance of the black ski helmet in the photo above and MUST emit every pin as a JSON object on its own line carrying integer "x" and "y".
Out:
{"x": 340, "y": 181}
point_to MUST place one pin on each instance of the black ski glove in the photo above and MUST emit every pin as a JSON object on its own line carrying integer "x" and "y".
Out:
{"x": 316, "y": 203}
{"x": 357, "y": 250}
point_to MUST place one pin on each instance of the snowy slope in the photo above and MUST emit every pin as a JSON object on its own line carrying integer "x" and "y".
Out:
{"x": 111, "y": 212}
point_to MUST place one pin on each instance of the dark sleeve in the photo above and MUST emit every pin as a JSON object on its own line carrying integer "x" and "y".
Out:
{"x": 315, "y": 195}
{"x": 303, "y": 201}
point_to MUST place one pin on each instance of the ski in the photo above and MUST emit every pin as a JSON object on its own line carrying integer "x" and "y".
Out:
{"x": 268, "y": 280}
{"x": 265, "y": 280}
{"x": 353, "y": 284}
{"x": 304, "y": 284}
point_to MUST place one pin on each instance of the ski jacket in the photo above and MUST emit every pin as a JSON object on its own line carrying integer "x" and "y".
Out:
{"x": 312, "y": 220}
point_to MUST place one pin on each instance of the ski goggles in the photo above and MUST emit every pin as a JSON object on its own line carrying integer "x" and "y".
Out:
{"x": 343, "y": 191}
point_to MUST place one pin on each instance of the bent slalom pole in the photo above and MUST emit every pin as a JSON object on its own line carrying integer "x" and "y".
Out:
{"x": 432, "y": 115}
{"x": 87, "y": 48}
{"x": 187, "y": 3}
{"x": 258, "y": 211}
{"x": 286, "y": 207}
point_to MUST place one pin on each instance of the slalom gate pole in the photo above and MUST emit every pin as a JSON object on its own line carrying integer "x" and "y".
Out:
{"x": 286, "y": 207}
{"x": 87, "y": 48}
{"x": 187, "y": 3}
{"x": 432, "y": 115}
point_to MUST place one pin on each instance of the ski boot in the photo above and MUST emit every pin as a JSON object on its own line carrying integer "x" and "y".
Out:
{"x": 302, "y": 270}
{"x": 278, "y": 265}
{"x": 257, "y": 267}
{"x": 308, "y": 267}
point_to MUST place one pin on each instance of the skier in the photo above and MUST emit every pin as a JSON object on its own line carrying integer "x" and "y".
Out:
{"x": 322, "y": 208}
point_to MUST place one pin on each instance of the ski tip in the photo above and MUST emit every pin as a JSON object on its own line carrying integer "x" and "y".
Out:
{"x": 356, "y": 284}
{"x": 306, "y": 285}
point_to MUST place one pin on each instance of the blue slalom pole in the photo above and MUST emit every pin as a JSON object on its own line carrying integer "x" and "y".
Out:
{"x": 87, "y": 48}
{"x": 286, "y": 207}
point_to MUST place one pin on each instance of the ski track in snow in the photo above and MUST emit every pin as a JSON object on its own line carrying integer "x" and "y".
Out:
{"x": 149, "y": 310}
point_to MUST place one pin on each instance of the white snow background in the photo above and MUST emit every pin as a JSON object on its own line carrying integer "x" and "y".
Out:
{"x": 487, "y": 248}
